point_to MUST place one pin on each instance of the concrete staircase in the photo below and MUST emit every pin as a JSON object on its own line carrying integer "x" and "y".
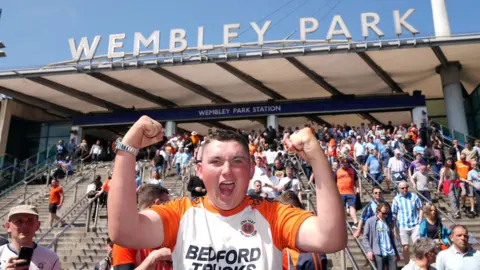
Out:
{"x": 79, "y": 249}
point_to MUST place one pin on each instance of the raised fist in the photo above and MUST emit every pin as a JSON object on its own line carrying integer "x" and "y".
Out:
{"x": 143, "y": 133}
{"x": 305, "y": 144}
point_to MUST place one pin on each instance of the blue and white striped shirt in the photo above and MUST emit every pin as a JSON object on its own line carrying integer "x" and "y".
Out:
{"x": 406, "y": 210}
{"x": 384, "y": 241}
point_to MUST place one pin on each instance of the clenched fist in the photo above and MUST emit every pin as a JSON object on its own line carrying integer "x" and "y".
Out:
{"x": 305, "y": 144}
{"x": 143, "y": 133}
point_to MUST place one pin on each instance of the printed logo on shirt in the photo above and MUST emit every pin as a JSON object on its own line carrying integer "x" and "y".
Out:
{"x": 208, "y": 258}
{"x": 248, "y": 228}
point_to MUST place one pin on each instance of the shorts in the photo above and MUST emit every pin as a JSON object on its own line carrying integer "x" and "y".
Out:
{"x": 409, "y": 236}
{"x": 52, "y": 208}
{"x": 349, "y": 200}
{"x": 467, "y": 190}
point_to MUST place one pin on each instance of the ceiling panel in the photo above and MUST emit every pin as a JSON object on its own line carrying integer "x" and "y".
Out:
{"x": 293, "y": 122}
{"x": 350, "y": 119}
{"x": 346, "y": 72}
{"x": 469, "y": 57}
{"x": 411, "y": 69}
{"x": 282, "y": 77}
{"x": 397, "y": 118}
{"x": 158, "y": 85}
{"x": 99, "y": 89}
{"x": 199, "y": 128}
{"x": 246, "y": 125}
{"x": 30, "y": 88}
{"x": 219, "y": 81}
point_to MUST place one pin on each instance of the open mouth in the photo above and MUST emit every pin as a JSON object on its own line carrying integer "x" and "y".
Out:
{"x": 227, "y": 188}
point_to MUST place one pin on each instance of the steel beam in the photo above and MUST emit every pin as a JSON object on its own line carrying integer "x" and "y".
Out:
{"x": 76, "y": 93}
{"x": 318, "y": 79}
{"x": 218, "y": 125}
{"x": 440, "y": 56}
{"x": 133, "y": 90}
{"x": 195, "y": 88}
{"x": 39, "y": 103}
{"x": 262, "y": 88}
{"x": 380, "y": 72}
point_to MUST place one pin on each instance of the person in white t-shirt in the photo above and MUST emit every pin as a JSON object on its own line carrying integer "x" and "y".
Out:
{"x": 289, "y": 183}
{"x": 259, "y": 169}
{"x": 21, "y": 225}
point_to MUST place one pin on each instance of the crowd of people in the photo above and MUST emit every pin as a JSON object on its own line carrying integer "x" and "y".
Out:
{"x": 219, "y": 227}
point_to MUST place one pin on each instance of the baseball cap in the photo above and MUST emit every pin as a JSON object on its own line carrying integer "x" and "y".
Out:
{"x": 23, "y": 209}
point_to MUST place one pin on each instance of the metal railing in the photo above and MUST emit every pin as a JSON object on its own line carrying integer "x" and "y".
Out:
{"x": 346, "y": 252}
{"x": 87, "y": 207}
{"x": 21, "y": 202}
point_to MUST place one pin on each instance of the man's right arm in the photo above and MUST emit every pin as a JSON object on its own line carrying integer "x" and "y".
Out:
{"x": 126, "y": 226}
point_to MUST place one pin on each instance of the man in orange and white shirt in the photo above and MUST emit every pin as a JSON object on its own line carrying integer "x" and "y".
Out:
{"x": 158, "y": 259}
{"x": 226, "y": 228}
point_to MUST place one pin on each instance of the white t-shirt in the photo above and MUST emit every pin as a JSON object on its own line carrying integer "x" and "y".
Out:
{"x": 259, "y": 172}
{"x": 42, "y": 259}
{"x": 272, "y": 180}
{"x": 295, "y": 183}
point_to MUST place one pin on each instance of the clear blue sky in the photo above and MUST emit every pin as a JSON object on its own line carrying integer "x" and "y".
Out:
{"x": 36, "y": 32}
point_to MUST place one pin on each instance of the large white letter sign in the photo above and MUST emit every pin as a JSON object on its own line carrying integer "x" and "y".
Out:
{"x": 303, "y": 27}
{"x": 139, "y": 38}
{"x": 178, "y": 36}
{"x": 402, "y": 21}
{"x": 227, "y": 35}
{"x": 372, "y": 24}
{"x": 200, "y": 45}
{"x": 84, "y": 47}
{"x": 333, "y": 31}
{"x": 115, "y": 41}
{"x": 260, "y": 32}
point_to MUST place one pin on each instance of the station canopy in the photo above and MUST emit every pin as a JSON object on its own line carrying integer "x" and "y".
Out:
{"x": 278, "y": 70}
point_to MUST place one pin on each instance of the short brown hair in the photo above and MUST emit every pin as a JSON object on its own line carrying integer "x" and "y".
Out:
{"x": 225, "y": 136}
{"x": 149, "y": 193}
{"x": 382, "y": 205}
{"x": 289, "y": 197}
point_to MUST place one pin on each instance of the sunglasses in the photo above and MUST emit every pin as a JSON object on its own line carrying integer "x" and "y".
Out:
{"x": 377, "y": 192}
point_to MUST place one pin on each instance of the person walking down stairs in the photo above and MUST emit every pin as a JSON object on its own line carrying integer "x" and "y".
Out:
{"x": 56, "y": 201}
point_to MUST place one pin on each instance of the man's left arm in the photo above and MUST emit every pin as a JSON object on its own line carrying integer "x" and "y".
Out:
{"x": 326, "y": 232}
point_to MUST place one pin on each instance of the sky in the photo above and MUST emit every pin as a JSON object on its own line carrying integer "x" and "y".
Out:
{"x": 36, "y": 33}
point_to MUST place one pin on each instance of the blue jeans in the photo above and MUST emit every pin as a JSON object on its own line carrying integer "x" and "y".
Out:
{"x": 308, "y": 171}
{"x": 436, "y": 170}
{"x": 178, "y": 169}
{"x": 377, "y": 177}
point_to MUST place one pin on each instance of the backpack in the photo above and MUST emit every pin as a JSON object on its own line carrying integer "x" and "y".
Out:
{"x": 288, "y": 185}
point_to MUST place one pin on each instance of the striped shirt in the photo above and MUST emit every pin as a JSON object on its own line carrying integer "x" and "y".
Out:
{"x": 370, "y": 210}
{"x": 396, "y": 165}
{"x": 384, "y": 241}
{"x": 406, "y": 210}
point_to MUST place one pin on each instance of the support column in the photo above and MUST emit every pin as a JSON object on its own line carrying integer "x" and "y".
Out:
{"x": 453, "y": 96}
{"x": 5, "y": 117}
{"x": 170, "y": 129}
{"x": 76, "y": 133}
{"x": 419, "y": 116}
{"x": 272, "y": 120}
{"x": 440, "y": 19}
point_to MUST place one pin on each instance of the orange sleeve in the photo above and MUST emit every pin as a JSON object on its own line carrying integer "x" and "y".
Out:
{"x": 171, "y": 213}
{"x": 123, "y": 255}
{"x": 285, "y": 222}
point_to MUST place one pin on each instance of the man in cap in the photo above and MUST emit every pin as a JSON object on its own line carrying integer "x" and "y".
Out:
{"x": 21, "y": 225}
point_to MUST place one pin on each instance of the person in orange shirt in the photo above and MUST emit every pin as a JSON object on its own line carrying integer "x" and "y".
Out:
{"x": 159, "y": 259}
{"x": 104, "y": 192}
{"x": 56, "y": 201}
{"x": 347, "y": 183}
{"x": 463, "y": 167}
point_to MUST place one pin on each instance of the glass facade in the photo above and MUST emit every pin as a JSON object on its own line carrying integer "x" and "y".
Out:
{"x": 26, "y": 138}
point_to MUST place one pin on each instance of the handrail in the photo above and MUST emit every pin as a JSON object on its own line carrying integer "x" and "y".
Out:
{"x": 64, "y": 216}
{"x": 21, "y": 202}
{"x": 352, "y": 259}
{"x": 360, "y": 245}
{"x": 293, "y": 156}
{"x": 55, "y": 238}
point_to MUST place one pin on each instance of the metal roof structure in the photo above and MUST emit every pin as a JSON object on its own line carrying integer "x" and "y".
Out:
{"x": 278, "y": 70}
